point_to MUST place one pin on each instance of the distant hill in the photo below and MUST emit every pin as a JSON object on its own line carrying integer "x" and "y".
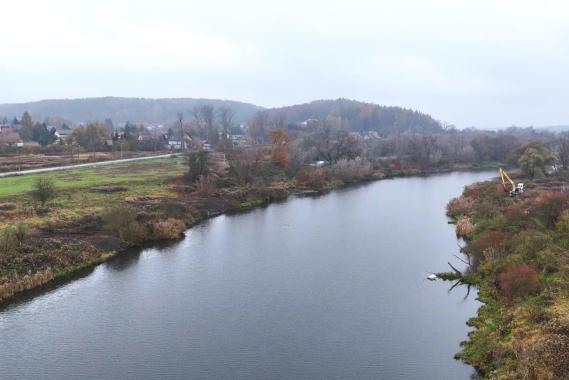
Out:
{"x": 356, "y": 116}
{"x": 554, "y": 128}
{"x": 360, "y": 116}
{"x": 120, "y": 110}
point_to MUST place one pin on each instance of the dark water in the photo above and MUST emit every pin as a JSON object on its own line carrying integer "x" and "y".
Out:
{"x": 314, "y": 288}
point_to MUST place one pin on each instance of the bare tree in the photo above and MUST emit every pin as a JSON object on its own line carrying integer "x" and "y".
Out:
{"x": 279, "y": 121}
{"x": 208, "y": 116}
{"x": 225, "y": 115}
{"x": 334, "y": 145}
{"x": 563, "y": 152}
{"x": 258, "y": 126}
{"x": 204, "y": 119}
{"x": 180, "y": 116}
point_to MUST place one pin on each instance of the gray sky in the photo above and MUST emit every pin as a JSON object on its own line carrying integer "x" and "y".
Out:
{"x": 483, "y": 63}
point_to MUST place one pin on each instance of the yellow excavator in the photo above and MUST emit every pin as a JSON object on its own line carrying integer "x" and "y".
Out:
{"x": 510, "y": 186}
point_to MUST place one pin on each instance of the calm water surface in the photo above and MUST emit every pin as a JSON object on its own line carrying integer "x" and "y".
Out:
{"x": 314, "y": 288}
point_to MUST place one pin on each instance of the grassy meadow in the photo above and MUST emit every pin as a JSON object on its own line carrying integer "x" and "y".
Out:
{"x": 76, "y": 193}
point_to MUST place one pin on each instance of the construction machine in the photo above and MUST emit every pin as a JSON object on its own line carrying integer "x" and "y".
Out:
{"x": 510, "y": 186}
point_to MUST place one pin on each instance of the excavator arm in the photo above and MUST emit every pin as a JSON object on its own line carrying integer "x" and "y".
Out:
{"x": 506, "y": 180}
{"x": 505, "y": 177}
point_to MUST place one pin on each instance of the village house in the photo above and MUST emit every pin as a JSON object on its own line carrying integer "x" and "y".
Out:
{"x": 308, "y": 123}
{"x": 62, "y": 134}
{"x": 240, "y": 141}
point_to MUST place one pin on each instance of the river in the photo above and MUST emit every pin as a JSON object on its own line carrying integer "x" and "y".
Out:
{"x": 332, "y": 287}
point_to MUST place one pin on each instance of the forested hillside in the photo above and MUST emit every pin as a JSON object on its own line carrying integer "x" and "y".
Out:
{"x": 350, "y": 114}
{"x": 120, "y": 110}
{"x": 360, "y": 116}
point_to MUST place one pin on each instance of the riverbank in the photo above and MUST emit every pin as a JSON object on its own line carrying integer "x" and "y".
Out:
{"x": 519, "y": 251}
{"x": 101, "y": 212}
{"x": 296, "y": 277}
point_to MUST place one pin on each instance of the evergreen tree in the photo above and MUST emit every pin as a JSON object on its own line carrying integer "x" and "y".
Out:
{"x": 26, "y": 127}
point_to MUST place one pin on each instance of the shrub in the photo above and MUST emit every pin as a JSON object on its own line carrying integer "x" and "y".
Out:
{"x": 518, "y": 280}
{"x": 528, "y": 243}
{"x": 550, "y": 205}
{"x": 486, "y": 210}
{"x": 205, "y": 185}
{"x": 280, "y": 152}
{"x": 464, "y": 227}
{"x": 167, "y": 229}
{"x": 516, "y": 215}
{"x": 8, "y": 243}
{"x": 198, "y": 165}
{"x": 460, "y": 206}
{"x": 121, "y": 222}
{"x": 562, "y": 224}
{"x": 12, "y": 238}
{"x": 472, "y": 191}
{"x": 44, "y": 190}
{"x": 20, "y": 232}
{"x": 314, "y": 178}
{"x": 547, "y": 261}
{"x": 351, "y": 170}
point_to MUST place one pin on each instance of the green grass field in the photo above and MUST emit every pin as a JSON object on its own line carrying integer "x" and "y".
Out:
{"x": 137, "y": 172}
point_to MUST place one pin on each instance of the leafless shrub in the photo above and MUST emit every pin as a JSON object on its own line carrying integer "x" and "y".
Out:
{"x": 205, "y": 185}
{"x": 314, "y": 178}
{"x": 464, "y": 227}
{"x": 351, "y": 170}
{"x": 460, "y": 206}
{"x": 167, "y": 229}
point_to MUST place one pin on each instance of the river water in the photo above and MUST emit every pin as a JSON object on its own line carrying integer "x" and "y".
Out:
{"x": 313, "y": 288}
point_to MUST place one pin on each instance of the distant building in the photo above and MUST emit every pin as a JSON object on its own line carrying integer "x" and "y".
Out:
{"x": 365, "y": 135}
{"x": 308, "y": 123}
{"x": 175, "y": 144}
{"x": 62, "y": 134}
{"x": 318, "y": 164}
{"x": 240, "y": 141}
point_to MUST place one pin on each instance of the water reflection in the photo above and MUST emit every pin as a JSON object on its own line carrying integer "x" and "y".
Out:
{"x": 329, "y": 287}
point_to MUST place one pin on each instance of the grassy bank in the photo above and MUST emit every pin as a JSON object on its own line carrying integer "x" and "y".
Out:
{"x": 520, "y": 250}
{"x": 101, "y": 211}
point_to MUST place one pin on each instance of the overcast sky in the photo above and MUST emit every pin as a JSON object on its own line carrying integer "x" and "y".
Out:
{"x": 483, "y": 63}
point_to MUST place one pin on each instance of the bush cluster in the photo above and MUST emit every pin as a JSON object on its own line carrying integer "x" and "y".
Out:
{"x": 313, "y": 178}
{"x": 167, "y": 229}
{"x": 121, "y": 222}
{"x": 460, "y": 206}
{"x": 351, "y": 170}
{"x": 12, "y": 238}
{"x": 518, "y": 280}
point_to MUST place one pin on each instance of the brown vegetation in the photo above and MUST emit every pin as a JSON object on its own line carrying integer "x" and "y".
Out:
{"x": 314, "y": 178}
{"x": 167, "y": 229}
{"x": 518, "y": 280}
{"x": 464, "y": 227}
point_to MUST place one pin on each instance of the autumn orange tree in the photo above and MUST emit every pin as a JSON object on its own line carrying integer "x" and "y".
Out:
{"x": 280, "y": 150}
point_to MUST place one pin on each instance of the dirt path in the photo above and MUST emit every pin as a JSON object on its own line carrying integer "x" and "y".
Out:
{"x": 90, "y": 164}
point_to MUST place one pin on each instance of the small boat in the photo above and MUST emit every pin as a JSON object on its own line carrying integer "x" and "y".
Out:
{"x": 432, "y": 277}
